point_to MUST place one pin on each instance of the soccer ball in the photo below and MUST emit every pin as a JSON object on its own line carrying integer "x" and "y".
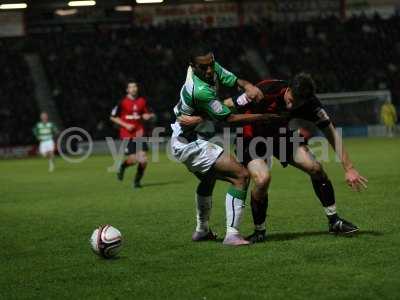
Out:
{"x": 106, "y": 241}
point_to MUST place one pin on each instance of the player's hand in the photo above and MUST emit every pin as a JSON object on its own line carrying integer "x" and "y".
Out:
{"x": 190, "y": 120}
{"x": 129, "y": 127}
{"x": 147, "y": 117}
{"x": 254, "y": 93}
{"x": 355, "y": 180}
{"x": 273, "y": 118}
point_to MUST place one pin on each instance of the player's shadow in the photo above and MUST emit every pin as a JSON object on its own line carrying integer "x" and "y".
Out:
{"x": 286, "y": 236}
{"x": 161, "y": 183}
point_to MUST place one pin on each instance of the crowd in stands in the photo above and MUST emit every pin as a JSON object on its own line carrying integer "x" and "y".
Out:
{"x": 18, "y": 109}
{"x": 358, "y": 54}
{"x": 87, "y": 70}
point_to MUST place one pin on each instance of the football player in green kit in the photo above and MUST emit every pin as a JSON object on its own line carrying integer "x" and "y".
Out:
{"x": 190, "y": 145}
{"x": 44, "y": 132}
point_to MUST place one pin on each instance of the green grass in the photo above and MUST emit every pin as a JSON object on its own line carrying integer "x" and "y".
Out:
{"x": 47, "y": 219}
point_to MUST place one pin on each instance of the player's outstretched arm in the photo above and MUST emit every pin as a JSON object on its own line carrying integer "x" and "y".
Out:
{"x": 228, "y": 117}
{"x": 234, "y": 119}
{"x": 148, "y": 116}
{"x": 353, "y": 178}
{"x": 189, "y": 121}
{"x": 253, "y": 92}
{"x": 242, "y": 119}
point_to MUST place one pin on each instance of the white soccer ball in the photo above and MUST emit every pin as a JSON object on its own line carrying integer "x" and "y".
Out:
{"x": 106, "y": 241}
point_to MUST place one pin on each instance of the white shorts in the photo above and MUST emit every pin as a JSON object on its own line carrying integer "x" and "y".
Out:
{"x": 198, "y": 156}
{"x": 46, "y": 146}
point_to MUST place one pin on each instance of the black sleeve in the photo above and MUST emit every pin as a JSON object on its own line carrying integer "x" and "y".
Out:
{"x": 272, "y": 86}
{"x": 314, "y": 112}
{"x": 115, "y": 111}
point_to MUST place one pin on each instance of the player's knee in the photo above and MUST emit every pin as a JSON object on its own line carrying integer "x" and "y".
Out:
{"x": 130, "y": 160}
{"x": 262, "y": 180}
{"x": 316, "y": 171}
{"x": 144, "y": 160}
{"x": 141, "y": 157}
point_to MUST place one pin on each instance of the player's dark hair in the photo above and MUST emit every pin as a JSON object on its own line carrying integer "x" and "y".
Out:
{"x": 303, "y": 87}
{"x": 131, "y": 80}
{"x": 198, "y": 50}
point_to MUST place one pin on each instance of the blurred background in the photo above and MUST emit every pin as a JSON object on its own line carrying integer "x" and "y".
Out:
{"x": 71, "y": 58}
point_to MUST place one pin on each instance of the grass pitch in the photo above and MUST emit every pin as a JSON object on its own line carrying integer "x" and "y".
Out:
{"x": 47, "y": 219}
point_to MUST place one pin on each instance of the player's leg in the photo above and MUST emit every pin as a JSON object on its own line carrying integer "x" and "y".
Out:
{"x": 261, "y": 177}
{"x": 203, "y": 200}
{"x": 390, "y": 129}
{"x": 141, "y": 156}
{"x": 50, "y": 157}
{"x": 142, "y": 160}
{"x": 387, "y": 127}
{"x": 52, "y": 148}
{"x": 227, "y": 168}
{"x": 305, "y": 161}
{"x": 130, "y": 159}
{"x": 199, "y": 157}
{"x": 46, "y": 149}
{"x": 203, "y": 157}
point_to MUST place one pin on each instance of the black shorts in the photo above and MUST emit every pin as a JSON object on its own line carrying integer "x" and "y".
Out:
{"x": 280, "y": 146}
{"x": 136, "y": 145}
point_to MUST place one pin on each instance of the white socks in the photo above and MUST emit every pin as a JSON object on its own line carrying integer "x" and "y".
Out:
{"x": 234, "y": 212}
{"x": 203, "y": 208}
{"x": 51, "y": 165}
{"x": 234, "y": 206}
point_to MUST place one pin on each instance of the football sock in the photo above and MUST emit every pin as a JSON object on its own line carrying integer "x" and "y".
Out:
{"x": 51, "y": 165}
{"x": 234, "y": 205}
{"x": 259, "y": 211}
{"x": 203, "y": 209}
{"x": 326, "y": 195}
{"x": 139, "y": 172}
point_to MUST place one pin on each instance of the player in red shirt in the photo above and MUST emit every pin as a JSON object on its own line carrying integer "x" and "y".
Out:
{"x": 129, "y": 114}
{"x": 295, "y": 100}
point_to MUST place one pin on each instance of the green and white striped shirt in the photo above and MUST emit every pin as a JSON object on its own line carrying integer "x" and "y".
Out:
{"x": 44, "y": 131}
